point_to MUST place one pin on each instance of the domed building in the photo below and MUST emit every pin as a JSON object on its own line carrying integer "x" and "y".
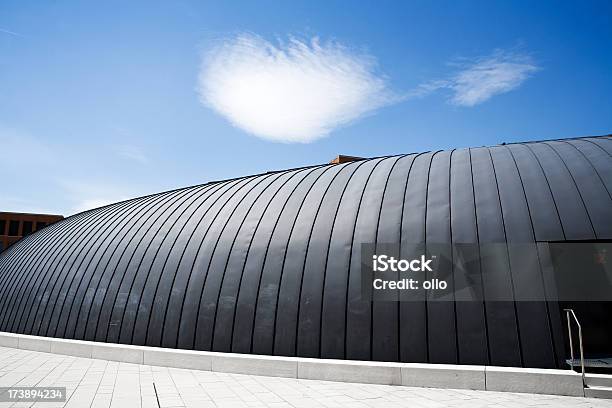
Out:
{"x": 271, "y": 264}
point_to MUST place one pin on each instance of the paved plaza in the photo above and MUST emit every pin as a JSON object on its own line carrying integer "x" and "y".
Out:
{"x": 100, "y": 383}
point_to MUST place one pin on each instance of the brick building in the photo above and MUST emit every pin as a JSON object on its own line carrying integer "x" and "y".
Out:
{"x": 14, "y": 226}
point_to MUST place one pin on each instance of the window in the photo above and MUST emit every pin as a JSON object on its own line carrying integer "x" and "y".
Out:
{"x": 26, "y": 228}
{"x": 40, "y": 225}
{"x": 2, "y": 227}
{"x": 13, "y": 228}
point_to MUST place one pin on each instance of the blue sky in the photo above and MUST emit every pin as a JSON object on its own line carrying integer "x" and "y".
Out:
{"x": 102, "y": 101}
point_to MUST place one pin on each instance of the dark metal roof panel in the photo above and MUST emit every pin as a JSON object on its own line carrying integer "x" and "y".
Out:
{"x": 270, "y": 264}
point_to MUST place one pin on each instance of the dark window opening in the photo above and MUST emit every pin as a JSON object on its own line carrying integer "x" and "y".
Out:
{"x": 40, "y": 225}
{"x": 13, "y": 228}
{"x": 588, "y": 264}
{"x": 26, "y": 228}
{"x": 2, "y": 227}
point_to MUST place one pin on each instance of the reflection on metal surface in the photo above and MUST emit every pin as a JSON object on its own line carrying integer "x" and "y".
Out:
{"x": 270, "y": 264}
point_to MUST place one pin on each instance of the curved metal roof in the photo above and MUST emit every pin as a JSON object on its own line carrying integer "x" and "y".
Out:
{"x": 268, "y": 264}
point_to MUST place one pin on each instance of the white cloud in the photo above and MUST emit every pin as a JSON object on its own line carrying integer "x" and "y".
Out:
{"x": 291, "y": 92}
{"x": 478, "y": 80}
{"x": 486, "y": 77}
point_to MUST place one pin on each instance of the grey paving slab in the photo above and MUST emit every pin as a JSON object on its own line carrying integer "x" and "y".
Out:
{"x": 110, "y": 384}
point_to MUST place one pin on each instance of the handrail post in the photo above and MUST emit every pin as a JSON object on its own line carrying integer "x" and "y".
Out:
{"x": 571, "y": 342}
{"x": 569, "y": 328}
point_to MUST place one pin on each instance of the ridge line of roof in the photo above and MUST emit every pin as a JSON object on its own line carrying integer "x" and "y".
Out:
{"x": 557, "y": 139}
{"x": 333, "y": 164}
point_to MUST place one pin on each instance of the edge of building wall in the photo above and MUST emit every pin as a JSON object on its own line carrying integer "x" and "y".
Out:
{"x": 490, "y": 378}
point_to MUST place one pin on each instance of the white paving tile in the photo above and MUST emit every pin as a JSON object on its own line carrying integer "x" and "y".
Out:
{"x": 108, "y": 384}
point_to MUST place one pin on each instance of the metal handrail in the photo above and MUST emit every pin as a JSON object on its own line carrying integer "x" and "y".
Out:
{"x": 569, "y": 330}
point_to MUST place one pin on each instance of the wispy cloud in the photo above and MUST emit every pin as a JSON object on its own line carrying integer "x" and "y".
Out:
{"x": 13, "y": 33}
{"x": 294, "y": 91}
{"x": 63, "y": 179}
{"x": 476, "y": 81}
{"x": 132, "y": 153}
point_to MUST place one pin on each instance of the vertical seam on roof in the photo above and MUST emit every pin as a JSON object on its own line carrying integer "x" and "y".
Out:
{"x": 285, "y": 247}
{"x": 156, "y": 204}
{"x": 187, "y": 203}
{"x": 86, "y": 240}
{"x": 501, "y": 210}
{"x": 482, "y": 287}
{"x": 548, "y": 315}
{"x": 592, "y": 166}
{"x": 238, "y": 184}
{"x": 175, "y": 201}
{"x": 552, "y": 195}
{"x": 12, "y": 272}
{"x": 598, "y": 145}
{"x": 151, "y": 209}
{"x": 152, "y": 214}
{"x": 35, "y": 241}
{"x": 426, "y": 301}
{"x": 348, "y": 275}
{"x": 116, "y": 230}
{"x": 225, "y": 188}
{"x": 31, "y": 267}
{"x": 314, "y": 220}
{"x": 189, "y": 209}
{"x": 212, "y": 254}
{"x": 265, "y": 257}
{"x": 83, "y": 233}
{"x": 180, "y": 259}
{"x": 282, "y": 268}
{"x": 450, "y": 229}
{"x": 132, "y": 212}
{"x": 59, "y": 250}
{"x": 577, "y": 189}
{"x": 16, "y": 275}
{"x": 331, "y": 232}
{"x": 231, "y": 248}
{"x": 246, "y": 256}
{"x": 399, "y": 326}
{"x": 144, "y": 312}
{"x": 375, "y": 246}
{"x": 80, "y": 293}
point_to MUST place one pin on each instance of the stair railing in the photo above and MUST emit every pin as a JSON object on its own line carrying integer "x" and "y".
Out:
{"x": 569, "y": 330}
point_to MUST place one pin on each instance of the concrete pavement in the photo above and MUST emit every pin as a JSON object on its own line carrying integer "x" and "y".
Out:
{"x": 101, "y": 383}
